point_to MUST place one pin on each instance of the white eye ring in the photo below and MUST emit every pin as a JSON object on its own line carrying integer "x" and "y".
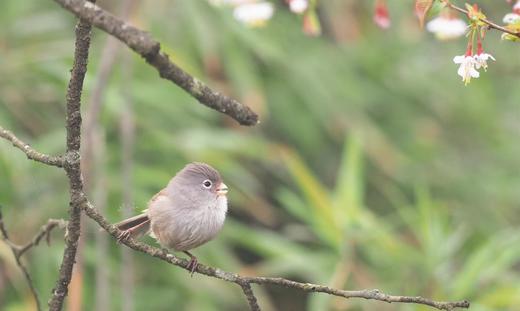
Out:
{"x": 207, "y": 184}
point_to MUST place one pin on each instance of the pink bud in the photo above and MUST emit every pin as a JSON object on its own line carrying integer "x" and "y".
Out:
{"x": 381, "y": 15}
{"x": 516, "y": 7}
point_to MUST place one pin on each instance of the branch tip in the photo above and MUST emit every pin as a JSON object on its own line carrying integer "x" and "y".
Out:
{"x": 29, "y": 151}
{"x": 143, "y": 44}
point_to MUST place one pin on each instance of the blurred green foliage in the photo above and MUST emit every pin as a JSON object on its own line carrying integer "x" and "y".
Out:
{"x": 373, "y": 167}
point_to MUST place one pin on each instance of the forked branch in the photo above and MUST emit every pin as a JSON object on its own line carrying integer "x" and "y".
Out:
{"x": 72, "y": 162}
{"x": 19, "y": 250}
{"x": 245, "y": 281}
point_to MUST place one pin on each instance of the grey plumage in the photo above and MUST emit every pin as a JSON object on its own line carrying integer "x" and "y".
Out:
{"x": 189, "y": 212}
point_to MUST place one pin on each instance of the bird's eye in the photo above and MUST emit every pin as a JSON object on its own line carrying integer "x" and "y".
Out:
{"x": 207, "y": 184}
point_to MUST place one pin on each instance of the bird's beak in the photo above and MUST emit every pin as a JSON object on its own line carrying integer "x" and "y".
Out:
{"x": 222, "y": 189}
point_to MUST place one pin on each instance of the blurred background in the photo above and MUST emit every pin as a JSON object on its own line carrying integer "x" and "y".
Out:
{"x": 373, "y": 165}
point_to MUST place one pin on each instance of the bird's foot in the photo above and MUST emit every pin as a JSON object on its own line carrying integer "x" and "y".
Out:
{"x": 124, "y": 235}
{"x": 192, "y": 265}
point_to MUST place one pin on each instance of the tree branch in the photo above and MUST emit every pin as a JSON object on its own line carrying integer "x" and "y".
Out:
{"x": 72, "y": 163}
{"x": 484, "y": 20}
{"x": 45, "y": 231}
{"x": 94, "y": 172}
{"x": 372, "y": 294}
{"x": 20, "y": 264}
{"x": 143, "y": 44}
{"x": 250, "y": 296}
{"x": 29, "y": 151}
{"x": 18, "y": 251}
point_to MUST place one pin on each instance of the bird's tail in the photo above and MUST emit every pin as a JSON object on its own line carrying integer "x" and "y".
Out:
{"x": 136, "y": 226}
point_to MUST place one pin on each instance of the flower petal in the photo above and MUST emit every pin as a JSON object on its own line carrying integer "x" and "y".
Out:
{"x": 459, "y": 59}
{"x": 474, "y": 73}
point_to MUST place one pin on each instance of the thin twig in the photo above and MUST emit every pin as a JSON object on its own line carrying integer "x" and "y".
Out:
{"x": 250, "y": 296}
{"x": 142, "y": 43}
{"x": 484, "y": 20}
{"x": 372, "y": 294}
{"x": 72, "y": 163}
{"x": 18, "y": 251}
{"x": 29, "y": 151}
{"x": 45, "y": 231}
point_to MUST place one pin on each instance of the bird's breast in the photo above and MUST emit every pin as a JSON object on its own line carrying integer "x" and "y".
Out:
{"x": 186, "y": 227}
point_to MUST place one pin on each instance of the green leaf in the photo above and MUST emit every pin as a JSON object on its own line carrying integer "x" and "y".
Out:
{"x": 349, "y": 188}
{"x": 317, "y": 196}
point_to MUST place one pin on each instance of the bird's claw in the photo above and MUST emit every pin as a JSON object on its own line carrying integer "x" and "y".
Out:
{"x": 192, "y": 265}
{"x": 124, "y": 235}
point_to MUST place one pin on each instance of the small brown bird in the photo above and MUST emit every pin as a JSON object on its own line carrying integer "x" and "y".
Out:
{"x": 189, "y": 212}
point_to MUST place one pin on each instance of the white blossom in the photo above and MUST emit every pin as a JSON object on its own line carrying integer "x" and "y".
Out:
{"x": 254, "y": 14}
{"x": 298, "y": 6}
{"x": 481, "y": 60}
{"x": 229, "y": 2}
{"x": 511, "y": 18}
{"x": 467, "y": 67}
{"x": 446, "y": 28}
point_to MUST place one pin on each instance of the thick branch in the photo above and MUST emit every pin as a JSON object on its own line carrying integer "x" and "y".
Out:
{"x": 143, "y": 44}
{"x": 72, "y": 163}
{"x": 484, "y": 20}
{"x": 372, "y": 294}
{"x": 29, "y": 151}
{"x": 18, "y": 251}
